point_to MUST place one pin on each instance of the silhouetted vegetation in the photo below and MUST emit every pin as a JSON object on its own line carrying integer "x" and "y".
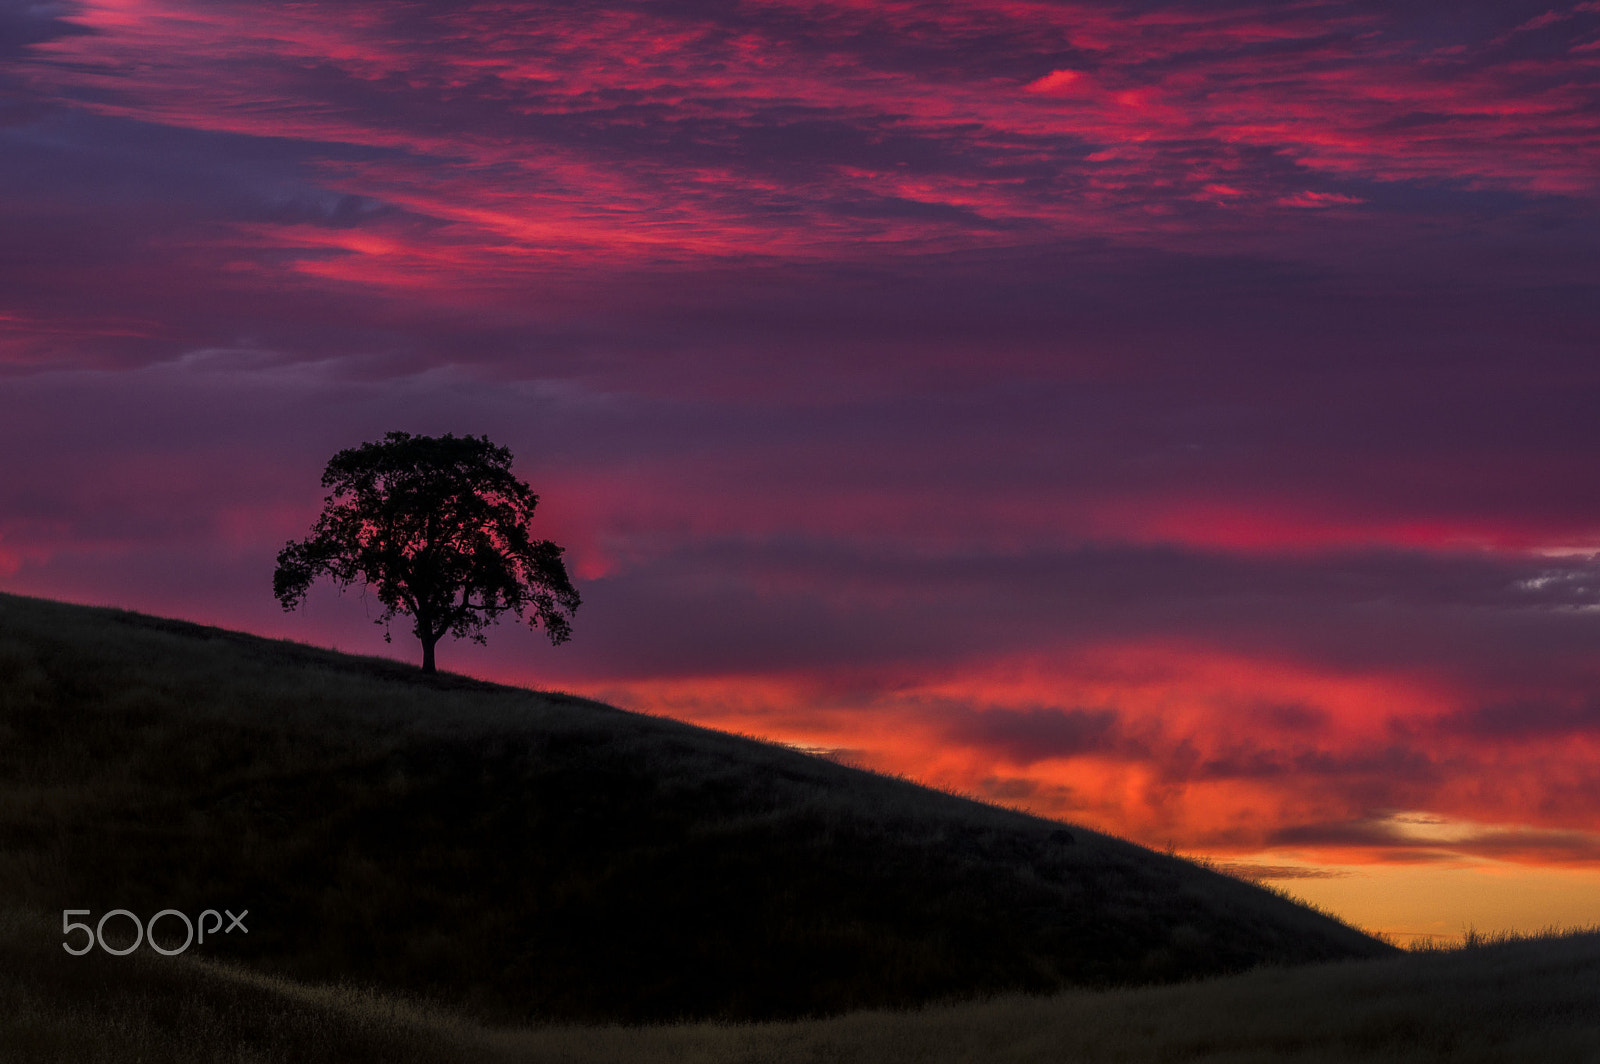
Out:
{"x": 438, "y": 527}
{"x": 533, "y": 856}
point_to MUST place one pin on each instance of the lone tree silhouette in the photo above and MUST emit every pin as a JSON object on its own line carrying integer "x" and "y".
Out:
{"x": 438, "y": 527}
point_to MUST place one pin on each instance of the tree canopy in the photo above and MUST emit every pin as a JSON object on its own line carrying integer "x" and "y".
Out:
{"x": 438, "y": 527}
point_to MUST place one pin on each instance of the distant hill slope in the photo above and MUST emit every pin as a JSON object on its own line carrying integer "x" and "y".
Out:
{"x": 525, "y": 855}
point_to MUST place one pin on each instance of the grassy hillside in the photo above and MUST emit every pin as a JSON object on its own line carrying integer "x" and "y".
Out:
{"x": 1503, "y": 1003}
{"x": 519, "y": 855}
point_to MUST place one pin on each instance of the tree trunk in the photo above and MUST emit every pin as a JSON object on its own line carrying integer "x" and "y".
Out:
{"x": 427, "y": 652}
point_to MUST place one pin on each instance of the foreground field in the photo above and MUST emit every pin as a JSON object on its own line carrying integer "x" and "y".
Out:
{"x": 1526, "y": 1001}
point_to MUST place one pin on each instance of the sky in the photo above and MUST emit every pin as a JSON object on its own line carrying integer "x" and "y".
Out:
{"x": 1177, "y": 418}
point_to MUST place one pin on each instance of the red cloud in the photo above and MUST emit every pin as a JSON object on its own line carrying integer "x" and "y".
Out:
{"x": 537, "y": 133}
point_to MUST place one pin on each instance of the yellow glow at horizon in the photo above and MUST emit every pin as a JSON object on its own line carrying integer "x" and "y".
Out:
{"x": 1441, "y": 902}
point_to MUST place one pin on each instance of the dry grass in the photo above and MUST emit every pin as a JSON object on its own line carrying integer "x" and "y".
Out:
{"x": 1523, "y": 1001}
{"x": 1516, "y": 1000}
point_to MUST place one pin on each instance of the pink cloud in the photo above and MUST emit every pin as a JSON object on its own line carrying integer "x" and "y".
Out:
{"x": 1319, "y": 200}
{"x": 635, "y": 134}
{"x": 1057, "y": 81}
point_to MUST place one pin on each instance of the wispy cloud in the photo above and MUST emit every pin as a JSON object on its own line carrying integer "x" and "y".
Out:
{"x": 536, "y": 132}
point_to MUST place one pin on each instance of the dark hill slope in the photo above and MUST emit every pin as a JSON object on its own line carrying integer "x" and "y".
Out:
{"x": 522, "y": 854}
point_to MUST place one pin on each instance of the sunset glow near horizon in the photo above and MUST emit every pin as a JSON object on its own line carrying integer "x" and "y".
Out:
{"x": 1175, "y": 418}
